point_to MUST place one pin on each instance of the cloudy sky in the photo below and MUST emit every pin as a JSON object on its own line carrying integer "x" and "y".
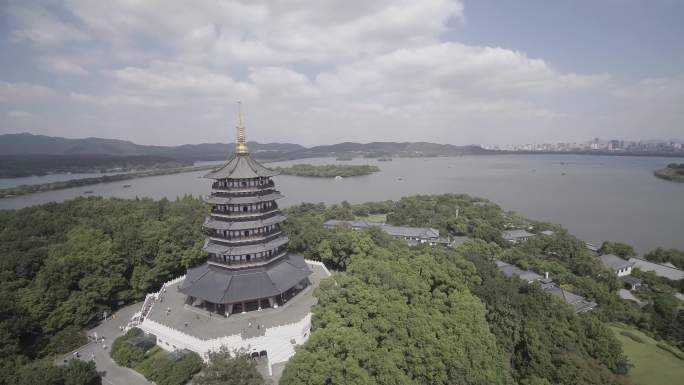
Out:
{"x": 320, "y": 72}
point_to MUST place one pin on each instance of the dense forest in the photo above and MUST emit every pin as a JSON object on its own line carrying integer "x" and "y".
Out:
{"x": 327, "y": 171}
{"x": 12, "y": 166}
{"x": 62, "y": 265}
{"x": 390, "y": 315}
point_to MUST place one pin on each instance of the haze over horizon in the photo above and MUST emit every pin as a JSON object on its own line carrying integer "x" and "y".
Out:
{"x": 460, "y": 72}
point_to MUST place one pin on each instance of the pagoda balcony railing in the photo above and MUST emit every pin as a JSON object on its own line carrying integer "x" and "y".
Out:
{"x": 250, "y": 238}
{"x": 238, "y": 192}
{"x": 217, "y": 186}
{"x": 243, "y": 214}
{"x": 250, "y": 263}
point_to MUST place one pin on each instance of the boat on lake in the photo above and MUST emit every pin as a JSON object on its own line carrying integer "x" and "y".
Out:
{"x": 126, "y": 185}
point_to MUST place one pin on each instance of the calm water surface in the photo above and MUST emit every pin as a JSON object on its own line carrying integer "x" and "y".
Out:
{"x": 31, "y": 180}
{"x": 597, "y": 198}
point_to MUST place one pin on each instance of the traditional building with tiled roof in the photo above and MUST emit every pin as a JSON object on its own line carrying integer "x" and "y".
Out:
{"x": 251, "y": 293}
{"x": 412, "y": 235}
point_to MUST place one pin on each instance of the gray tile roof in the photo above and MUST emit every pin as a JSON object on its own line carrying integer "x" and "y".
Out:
{"x": 514, "y": 271}
{"x": 457, "y": 241}
{"x": 221, "y": 200}
{"x": 211, "y": 247}
{"x": 580, "y": 303}
{"x": 396, "y": 231}
{"x": 660, "y": 270}
{"x": 631, "y": 280}
{"x": 591, "y": 247}
{"x": 512, "y": 235}
{"x": 613, "y": 262}
{"x": 219, "y": 285}
{"x": 218, "y": 224}
{"x": 241, "y": 166}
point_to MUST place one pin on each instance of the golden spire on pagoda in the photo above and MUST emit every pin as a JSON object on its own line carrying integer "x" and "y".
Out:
{"x": 241, "y": 143}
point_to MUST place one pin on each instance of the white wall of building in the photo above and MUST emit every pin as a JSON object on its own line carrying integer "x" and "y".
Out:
{"x": 278, "y": 341}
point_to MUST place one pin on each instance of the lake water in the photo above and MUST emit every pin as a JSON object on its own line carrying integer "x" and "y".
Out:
{"x": 595, "y": 197}
{"x": 31, "y": 180}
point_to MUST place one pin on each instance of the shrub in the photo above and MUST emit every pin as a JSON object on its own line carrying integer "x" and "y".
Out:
{"x": 160, "y": 368}
{"x": 126, "y": 354}
{"x": 676, "y": 352}
{"x": 632, "y": 336}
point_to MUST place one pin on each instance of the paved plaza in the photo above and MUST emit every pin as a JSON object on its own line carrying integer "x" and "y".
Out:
{"x": 200, "y": 324}
{"x": 110, "y": 371}
{"x": 205, "y": 325}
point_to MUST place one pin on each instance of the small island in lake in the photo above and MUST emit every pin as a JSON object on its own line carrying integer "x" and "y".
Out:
{"x": 327, "y": 171}
{"x": 345, "y": 157}
{"x": 673, "y": 172}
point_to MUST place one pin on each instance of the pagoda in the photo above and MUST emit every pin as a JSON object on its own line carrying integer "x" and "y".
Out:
{"x": 248, "y": 266}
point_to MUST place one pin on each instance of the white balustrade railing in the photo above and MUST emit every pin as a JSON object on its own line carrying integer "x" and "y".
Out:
{"x": 277, "y": 340}
{"x": 174, "y": 281}
{"x": 149, "y": 301}
{"x": 321, "y": 264}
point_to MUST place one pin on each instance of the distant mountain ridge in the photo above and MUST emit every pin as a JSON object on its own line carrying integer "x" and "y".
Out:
{"x": 26, "y": 144}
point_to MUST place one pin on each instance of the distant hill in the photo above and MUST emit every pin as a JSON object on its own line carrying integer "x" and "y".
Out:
{"x": 29, "y": 144}
{"x": 404, "y": 149}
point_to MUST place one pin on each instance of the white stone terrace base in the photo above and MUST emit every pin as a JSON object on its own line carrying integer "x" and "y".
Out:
{"x": 273, "y": 331}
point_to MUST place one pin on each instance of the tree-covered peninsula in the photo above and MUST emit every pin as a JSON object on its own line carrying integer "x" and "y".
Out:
{"x": 673, "y": 172}
{"x": 328, "y": 171}
{"x": 36, "y": 188}
{"x": 391, "y": 314}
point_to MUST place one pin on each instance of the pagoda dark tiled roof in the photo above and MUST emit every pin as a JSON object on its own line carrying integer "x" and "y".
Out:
{"x": 219, "y": 285}
{"x": 242, "y": 225}
{"x": 241, "y": 166}
{"x": 215, "y": 248}
{"x": 219, "y": 200}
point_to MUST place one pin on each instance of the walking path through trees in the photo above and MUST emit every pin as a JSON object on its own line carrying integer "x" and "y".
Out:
{"x": 111, "y": 373}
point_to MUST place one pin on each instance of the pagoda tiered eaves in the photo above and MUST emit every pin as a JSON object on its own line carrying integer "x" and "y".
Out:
{"x": 242, "y": 199}
{"x": 241, "y": 167}
{"x": 211, "y": 246}
{"x": 245, "y": 242}
{"x": 212, "y": 284}
{"x": 221, "y": 224}
{"x": 248, "y": 270}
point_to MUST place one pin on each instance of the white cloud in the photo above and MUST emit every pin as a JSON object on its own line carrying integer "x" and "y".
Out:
{"x": 13, "y": 92}
{"x": 19, "y": 114}
{"x": 62, "y": 65}
{"x": 39, "y": 26}
{"x": 175, "y": 80}
{"x": 314, "y": 72}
